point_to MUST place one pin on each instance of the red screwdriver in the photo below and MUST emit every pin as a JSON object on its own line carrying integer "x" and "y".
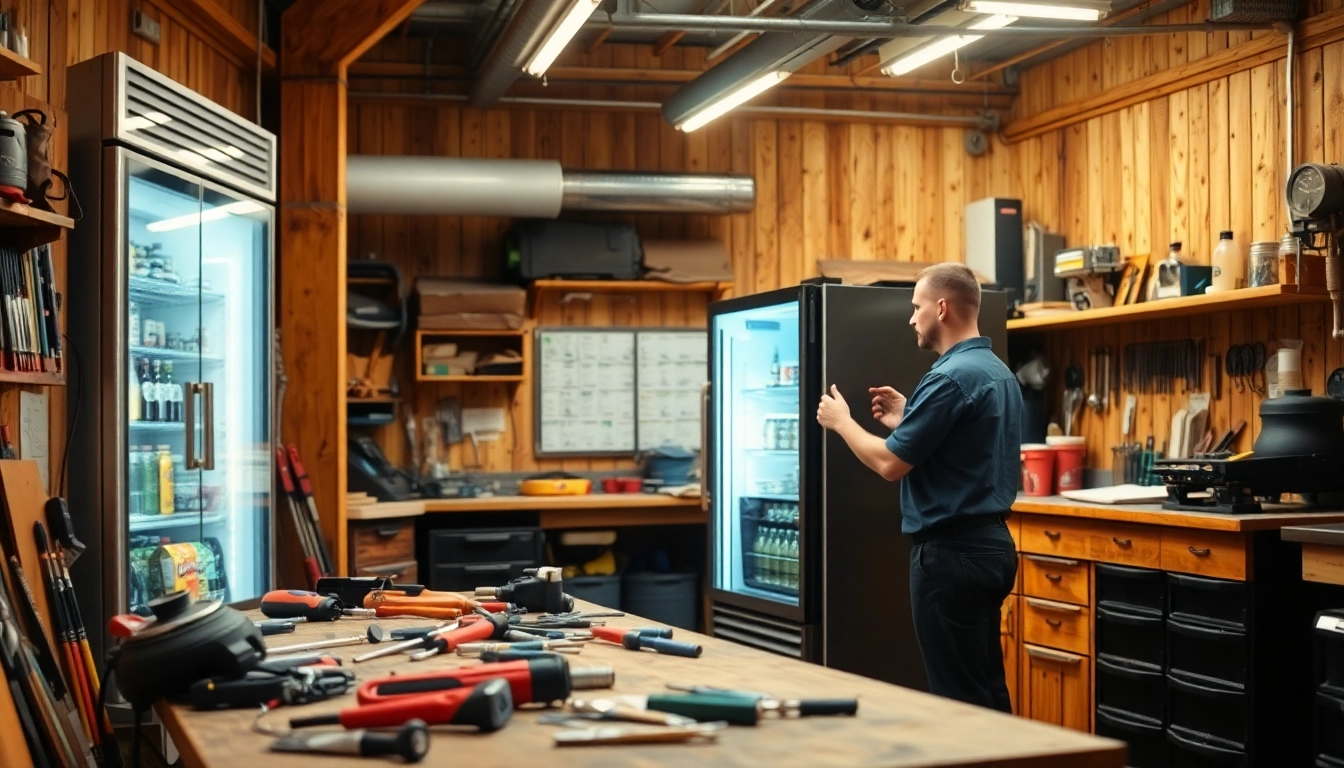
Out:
{"x": 541, "y": 680}
{"x": 298, "y": 604}
{"x": 637, "y": 639}
{"x": 487, "y": 707}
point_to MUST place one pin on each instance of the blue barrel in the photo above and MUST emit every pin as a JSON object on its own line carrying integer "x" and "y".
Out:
{"x": 599, "y": 590}
{"x": 670, "y": 598}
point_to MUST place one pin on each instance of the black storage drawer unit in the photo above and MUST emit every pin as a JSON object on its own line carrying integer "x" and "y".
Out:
{"x": 1123, "y": 632}
{"x": 464, "y": 578}
{"x": 1329, "y": 643}
{"x": 1134, "y": 688}
{"x": 1329, "y": 730}
{"x": 1208, "y": 711}
{"x": 1213, "y": 600}
{"x": 1147, "y": 740}
{"x": 1119, "y": 586}
{"x": 1207, "y": 651}
{"x": 1190, "y": 750}
{"x": 484, "y": 545}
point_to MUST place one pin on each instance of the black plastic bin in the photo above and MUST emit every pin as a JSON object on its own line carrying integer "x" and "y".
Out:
{"x": 670, "y": 598}
{"x": 1208, "y": 651}
{"x": 1146, "y": 738}
{"x": 1131, "y": 687}
{"x": 1214, "y": 600}
{"x": 1128, "y": 632}
{"x": 1330, "y": 652}
{"x": 1329, "y": 730}
{"x": 1120, "y": 585}
{"x": 600, "y": 590}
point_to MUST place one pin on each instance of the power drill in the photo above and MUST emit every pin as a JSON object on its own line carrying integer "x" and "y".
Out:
{"x": 541, "y": 590}
{"x": 541, "y": 680}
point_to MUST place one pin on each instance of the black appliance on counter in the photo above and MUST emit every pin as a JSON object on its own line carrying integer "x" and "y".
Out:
{"x": 1329, "y": 721}
{"x": 807, "y": 555}
{"x": 1300, "y": 450}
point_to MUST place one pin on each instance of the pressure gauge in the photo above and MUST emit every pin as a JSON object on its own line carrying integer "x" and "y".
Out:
{"x": 1316, "y": 191}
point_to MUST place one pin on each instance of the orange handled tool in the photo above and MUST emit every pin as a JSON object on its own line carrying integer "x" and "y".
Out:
{"x": 296, "y": 603}
{"x": 425, "y": 599}
{"x": 414, "y": 611}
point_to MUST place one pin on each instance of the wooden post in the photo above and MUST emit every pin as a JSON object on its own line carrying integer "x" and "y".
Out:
{"x": 320, "y": 39}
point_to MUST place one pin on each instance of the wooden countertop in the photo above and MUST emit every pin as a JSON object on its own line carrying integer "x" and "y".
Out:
{"x": 894, "y": 727}
{"x": 1330, "y": 535}
{"x": 1153, "y": 514}
{"x": 540, "y": 503}
{"x": 595, "y": 509}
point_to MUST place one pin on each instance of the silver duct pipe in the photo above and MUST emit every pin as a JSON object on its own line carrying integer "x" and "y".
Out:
{"x": 506, "y": 60}
{"x": 530, "y": 188}
{"x": 771, "y": 52}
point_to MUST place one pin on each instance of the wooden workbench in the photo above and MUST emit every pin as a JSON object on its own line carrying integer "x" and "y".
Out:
{"x": 894, "y": 727}
{"x": 1154, "y": 514}
{"x": 1322, "y": 551}
{"x": 589, "y": 510}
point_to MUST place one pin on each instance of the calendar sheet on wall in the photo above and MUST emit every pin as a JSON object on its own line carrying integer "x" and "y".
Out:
{"x": 616, "y": 391}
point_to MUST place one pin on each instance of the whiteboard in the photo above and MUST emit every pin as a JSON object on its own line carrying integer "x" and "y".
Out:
{"x": 671, "y": 367}
{"x": 617, "y": 391}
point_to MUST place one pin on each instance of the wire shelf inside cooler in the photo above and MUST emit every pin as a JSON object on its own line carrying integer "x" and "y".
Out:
{"x": 175, "y": 520}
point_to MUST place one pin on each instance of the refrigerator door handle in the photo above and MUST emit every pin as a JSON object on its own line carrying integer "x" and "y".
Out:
{"x": 208, "y": 395}
{"x": 704, "y": 447}
{"x": 189, "y": 389}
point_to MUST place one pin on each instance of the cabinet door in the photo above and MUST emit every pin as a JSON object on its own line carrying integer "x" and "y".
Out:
{"x": 1057, "y": 688}
{"x": 1011, "y": 642}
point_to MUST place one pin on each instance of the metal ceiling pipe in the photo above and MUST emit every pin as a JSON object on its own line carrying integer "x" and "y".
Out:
{"x": 540, "y": 189}
{"x": 485, "y": 40}
{"x": 435, "y": 10}
{"x": 506, "y": 59}
{"x": 779, "y": 51}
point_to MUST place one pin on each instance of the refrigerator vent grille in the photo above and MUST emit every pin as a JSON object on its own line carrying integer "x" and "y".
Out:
{"x": 188, "y": 129}
{"x": 757, "y": 630}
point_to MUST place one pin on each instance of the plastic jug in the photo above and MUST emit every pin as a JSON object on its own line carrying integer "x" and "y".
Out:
{"x": 1229, "y": 265}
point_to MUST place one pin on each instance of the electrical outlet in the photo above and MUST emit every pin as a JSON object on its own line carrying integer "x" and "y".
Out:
{"x": 143, "y": 26}
{"x": 34, "y": 433}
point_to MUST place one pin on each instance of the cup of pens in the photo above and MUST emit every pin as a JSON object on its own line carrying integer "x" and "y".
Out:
{"x": 1125, "y": 460}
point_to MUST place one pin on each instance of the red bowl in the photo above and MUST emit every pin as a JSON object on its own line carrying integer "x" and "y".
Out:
{"x": 611, "y": 485}
{"x": 632, "y": 484}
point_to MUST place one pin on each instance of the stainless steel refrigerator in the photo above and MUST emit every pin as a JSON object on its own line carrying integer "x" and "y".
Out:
{"x": 807, "y": 558}
{"x": 170, "y": 311}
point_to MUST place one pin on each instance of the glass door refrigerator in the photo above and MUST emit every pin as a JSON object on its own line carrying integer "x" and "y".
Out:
{"x": 807, "y": 557}
{"x": 171, "y": 316}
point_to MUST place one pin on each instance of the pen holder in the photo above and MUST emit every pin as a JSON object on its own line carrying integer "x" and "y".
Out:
{"x": 1125, "y": 464}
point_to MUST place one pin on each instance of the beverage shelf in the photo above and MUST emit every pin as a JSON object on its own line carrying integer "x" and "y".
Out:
{"x": 175, "y": 520}
{"x": 158, "y": 426}
{"x": 159, "y": 353}
{"x": 151, "y": 291}
{"x": 787, "y": 394}
{"x": 771, "y": 452}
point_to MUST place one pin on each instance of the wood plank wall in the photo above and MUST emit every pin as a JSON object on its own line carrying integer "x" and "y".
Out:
{"x": 64, "y": 32}
{"x": 825, "y": 189}
{"x": 1182, "y": 167}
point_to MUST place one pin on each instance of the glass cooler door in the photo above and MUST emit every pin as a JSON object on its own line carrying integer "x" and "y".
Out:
{"x": 756, "y": 453}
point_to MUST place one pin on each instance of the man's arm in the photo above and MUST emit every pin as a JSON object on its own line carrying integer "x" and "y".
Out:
{"x": 872, "y": 451}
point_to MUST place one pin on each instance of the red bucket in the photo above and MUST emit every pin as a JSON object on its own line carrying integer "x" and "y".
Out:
{"x": 1070, "y": 454}
{"x": 1038, "y": 469}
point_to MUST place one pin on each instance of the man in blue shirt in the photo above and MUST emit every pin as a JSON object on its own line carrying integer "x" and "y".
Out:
{"x": 957, "y": 445}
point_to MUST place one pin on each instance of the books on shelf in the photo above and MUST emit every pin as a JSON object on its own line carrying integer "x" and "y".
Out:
{"x": 29, "y": 319}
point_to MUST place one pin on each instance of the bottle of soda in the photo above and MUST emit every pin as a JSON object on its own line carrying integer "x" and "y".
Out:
{"x": 136, "y": 498}
{"x": 149, "y": 481}
{"x": 166, "y": 393}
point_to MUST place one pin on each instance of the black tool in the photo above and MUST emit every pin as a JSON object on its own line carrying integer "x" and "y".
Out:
{"x": 270, "y": 627}
{"x": 410, "y": 742}
{"x": 296, "y": 686}
{"x": 541, "y": 589}
{"x": 351, "y": 590}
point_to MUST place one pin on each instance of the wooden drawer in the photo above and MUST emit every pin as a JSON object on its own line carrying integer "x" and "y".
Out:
{"x": 405, "y": 572}
{"x": 1056, "y": 536}
{"x": 1136, "y": 545}
{"x": 1057, "y": 625}
{"x": 1056, "y": 688}
{"x": 379, "y": 542}
{"x": 1056, "y": 578}
{"x": 1217, "y": 554}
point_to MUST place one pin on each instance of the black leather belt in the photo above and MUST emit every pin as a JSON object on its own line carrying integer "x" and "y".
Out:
{"x": 958, "y": 525}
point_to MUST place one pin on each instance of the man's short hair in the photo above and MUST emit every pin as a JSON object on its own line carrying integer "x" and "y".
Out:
{"x": 954, "y": 282}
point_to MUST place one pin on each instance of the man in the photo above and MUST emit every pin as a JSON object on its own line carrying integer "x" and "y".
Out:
{"x": 956, "y": 443}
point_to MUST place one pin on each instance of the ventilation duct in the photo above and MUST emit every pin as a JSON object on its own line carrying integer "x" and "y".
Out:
{"x": 530, "y": 188}
{"x": 770, "y": 52}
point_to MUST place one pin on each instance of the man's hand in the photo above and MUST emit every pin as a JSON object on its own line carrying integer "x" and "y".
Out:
{"x": 888, "y": 406}
{"x": 833, "y": 410}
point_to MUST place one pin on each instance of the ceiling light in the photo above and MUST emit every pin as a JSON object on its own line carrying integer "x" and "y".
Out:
{"x": 943, "y": 46}
{"x": 731, "y": 100}
{"x": 560, "y": 36}
{"x": 213, "y": 214}
{"x": 1069, "y": 10}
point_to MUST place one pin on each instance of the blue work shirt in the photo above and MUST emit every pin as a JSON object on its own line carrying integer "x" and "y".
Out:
{"x": 962, "y": 433}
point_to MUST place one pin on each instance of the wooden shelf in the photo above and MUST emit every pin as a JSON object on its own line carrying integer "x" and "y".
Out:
{"x": 24, "y": 227}
{"x": 474, "y": 379}
{"x": 13, "y": 66}
{"x": 371, "y": 400}
{"x": 539, "y": 287}
{"x": 34, "y": 377}
{"x": 1245, "y": 298}
{"x": 504, "y": 333}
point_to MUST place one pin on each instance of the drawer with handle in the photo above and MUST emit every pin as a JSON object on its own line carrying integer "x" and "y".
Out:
{"x": 406, "y": 572}
{"x": 1056, "y": 578}
{"x": 485, "y": 545}
{"x": 382, "y": 541}
{"x": 1136, "y": 545}
{"x": 1053, "y": 536}
{"x": 464, "y": 578}
{"x": 1220, "y": 554}
{"x": 1059, "y": 625}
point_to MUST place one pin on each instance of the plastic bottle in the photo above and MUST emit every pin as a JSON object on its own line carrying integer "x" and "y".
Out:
{"x": 165, "y": 467}
{"x": 133, "y": 473}
{"x": 1229, "y": 265}
{"x": 793, "y": 559}
{"x": 774, "y": 369}
{"x": 133, "y": 401}
{"x": 149, "y": 482}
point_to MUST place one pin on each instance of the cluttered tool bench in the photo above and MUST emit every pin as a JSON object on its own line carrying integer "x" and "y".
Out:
{"x": 892, "y": 726}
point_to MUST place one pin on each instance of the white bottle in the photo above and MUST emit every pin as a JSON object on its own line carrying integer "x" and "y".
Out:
{"x": 792, "y": 554}
{"x": 1229, "y": 265}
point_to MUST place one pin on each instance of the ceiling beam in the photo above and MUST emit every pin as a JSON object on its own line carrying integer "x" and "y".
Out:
{"x": 324, "y": 36}
{"x": 1052, "y": 45}
{"x": 213, "y": 21}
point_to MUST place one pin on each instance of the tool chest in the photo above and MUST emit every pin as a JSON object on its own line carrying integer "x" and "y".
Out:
{"x": 465, "y": 558}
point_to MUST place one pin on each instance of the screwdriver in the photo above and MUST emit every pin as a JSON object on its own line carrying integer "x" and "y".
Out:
{"x": 411, "y": 743}
{"x": 740, "y": 709}
{"x": 487, "y": 707}
{"x": 410, "y": 643}
{"x": 310, "y": 606}
{"x": 542, "y": 681}
{"x": 633, "y": 640}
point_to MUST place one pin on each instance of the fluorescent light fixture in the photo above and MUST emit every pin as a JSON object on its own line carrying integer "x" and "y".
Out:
{"x": 943, "y": 46}
{"x": 560, "y": 36}
{"x": 214, "y": 214}
{"x": 1069, "y": 10}
{"x": 732, "y": 100}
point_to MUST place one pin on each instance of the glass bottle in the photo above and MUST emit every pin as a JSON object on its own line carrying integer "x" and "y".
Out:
{"x": 151, "y": 393}
{"x": 165, "y": 467}
{"x": 177, "y": 402}
{"x": 149, "y": 482}
{"x": 758, "y": 562}
{"x": 774, "y": 369}
{"x": 133, "y": 473}
{"x": 166, "y": 393}
{"x": 793, "y": 559}
{"x": 134, "y": 402}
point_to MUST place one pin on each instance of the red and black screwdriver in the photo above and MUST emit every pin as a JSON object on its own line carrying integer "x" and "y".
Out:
{"x": 298, "y": 604}
{"x": 486, "y": 707}
{"x": 638, "y": 639}
{"x": 541, "y": 680}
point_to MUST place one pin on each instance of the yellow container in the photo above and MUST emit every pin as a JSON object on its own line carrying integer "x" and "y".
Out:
{"x": 165, "y": 481}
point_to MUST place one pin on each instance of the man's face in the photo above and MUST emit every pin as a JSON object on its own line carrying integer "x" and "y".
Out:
{"x": 924, "y": 319}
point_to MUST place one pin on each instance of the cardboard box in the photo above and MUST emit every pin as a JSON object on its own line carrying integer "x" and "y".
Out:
{"x": 445, "y": 296}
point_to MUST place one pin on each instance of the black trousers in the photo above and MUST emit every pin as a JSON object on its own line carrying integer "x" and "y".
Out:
{"x": 959, "y": 578}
